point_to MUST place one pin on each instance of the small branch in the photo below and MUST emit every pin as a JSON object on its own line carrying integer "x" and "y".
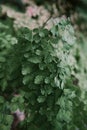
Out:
{"x": 44, "y": 24}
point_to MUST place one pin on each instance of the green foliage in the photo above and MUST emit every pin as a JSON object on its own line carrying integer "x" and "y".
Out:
{"x": 36, "y": 68}
{"x": 45, "y": 69}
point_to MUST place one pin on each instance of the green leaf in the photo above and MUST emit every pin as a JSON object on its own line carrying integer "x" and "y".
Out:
{"x": 47, "y": 80}
{"x": 57, "y": 82}
{"x": 35, "y": 59}
{"x": 38, "y": 79}
{"x": 54, "y": 30}
{"x": 38, "y": 52}
{"x": 36, "y": 38}
{"x": 27, "y": 78}
{"x": 41, "y": 34}
{"x": 29, "y": 35}
{"x": 26, "y": 70}
{"x": 41, "y": 99}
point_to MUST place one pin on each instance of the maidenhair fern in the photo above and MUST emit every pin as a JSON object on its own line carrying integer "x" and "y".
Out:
{"x": 37, "y": 73}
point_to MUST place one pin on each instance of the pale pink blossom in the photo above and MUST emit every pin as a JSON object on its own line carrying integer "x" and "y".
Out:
{"x": 20, "y": 115}
{"x": 32, "y": 11}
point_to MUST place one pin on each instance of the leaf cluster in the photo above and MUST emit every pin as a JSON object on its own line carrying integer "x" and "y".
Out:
{"x": 35, "y": 76}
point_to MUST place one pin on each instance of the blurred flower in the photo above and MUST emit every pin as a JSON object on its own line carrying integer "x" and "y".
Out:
{"x": 20, "y": 115}
{"x": 32, "y": 11}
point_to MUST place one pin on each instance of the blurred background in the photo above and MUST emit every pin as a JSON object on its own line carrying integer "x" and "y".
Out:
{"x": 34, "y": 13}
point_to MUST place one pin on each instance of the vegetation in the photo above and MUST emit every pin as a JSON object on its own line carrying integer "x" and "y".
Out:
{"x": 43, "y": 72}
